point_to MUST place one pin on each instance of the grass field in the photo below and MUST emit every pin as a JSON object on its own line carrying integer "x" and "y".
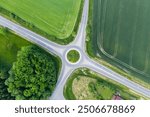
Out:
{"x": 9, "y": 46}
{"x": 122, "y": 33}
{"x": 84, "y": 84}
{"x": 55, "y": 17}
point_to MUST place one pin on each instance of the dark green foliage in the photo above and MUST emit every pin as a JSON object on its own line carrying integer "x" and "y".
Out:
{"x": 4, "y": 95}
{"x": 33, "y": 75}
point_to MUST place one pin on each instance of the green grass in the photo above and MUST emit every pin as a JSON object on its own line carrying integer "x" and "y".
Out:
{"x": 73, "y": 56}
{"x": 55, "y": 17}
{"x": 85, "y": 84}
{"x": 68, "y": 94}
{"x": 9, "y": 46}
{"x": 120, "y": 36}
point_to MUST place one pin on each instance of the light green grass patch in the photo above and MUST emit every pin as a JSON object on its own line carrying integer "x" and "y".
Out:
{"x": 9, "y": 46}
{"x": 55, "y": 17}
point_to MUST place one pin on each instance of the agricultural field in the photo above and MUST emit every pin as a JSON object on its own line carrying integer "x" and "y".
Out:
{"x": 121, "y": 32}
{"x": 85, "y": 84}
{"x": 55, "y": 17}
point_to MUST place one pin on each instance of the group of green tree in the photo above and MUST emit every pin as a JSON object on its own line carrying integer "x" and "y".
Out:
{"x": 4, "y": 94}
{"x": 32, "y": 77}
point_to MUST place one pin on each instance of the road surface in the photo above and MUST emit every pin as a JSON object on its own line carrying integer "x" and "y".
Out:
{"x": 68, "y": 68}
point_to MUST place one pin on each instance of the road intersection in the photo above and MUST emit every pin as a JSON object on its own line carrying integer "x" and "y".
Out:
{"x": 61, "y": 51}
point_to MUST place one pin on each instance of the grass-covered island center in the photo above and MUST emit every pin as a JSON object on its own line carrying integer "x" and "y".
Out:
{"x": 73, "y": 56}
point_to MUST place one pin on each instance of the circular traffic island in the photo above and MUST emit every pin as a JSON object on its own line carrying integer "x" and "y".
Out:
{"x": 73, "y": 56}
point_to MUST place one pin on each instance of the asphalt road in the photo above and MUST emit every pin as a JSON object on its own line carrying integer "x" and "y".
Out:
{"x": 67, "y": 67}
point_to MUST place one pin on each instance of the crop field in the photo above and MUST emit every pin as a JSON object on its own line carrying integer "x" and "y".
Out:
{"x": 55, "y": 17}
{"x": 123, "y": 32}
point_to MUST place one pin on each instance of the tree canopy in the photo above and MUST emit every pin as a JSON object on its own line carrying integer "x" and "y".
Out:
{"x": 4, "y": 95}
{"x": 33, "y": 75}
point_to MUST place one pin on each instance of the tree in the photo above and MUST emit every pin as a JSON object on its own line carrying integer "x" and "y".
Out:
{"x": 4, "y": 95}
{"x": 33, "y": 75}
